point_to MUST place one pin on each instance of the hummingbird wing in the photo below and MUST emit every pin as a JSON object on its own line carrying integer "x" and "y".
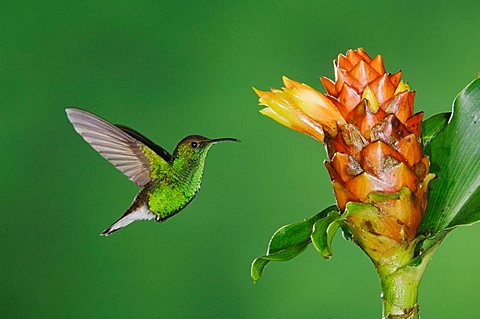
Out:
{"x": 132, "y": 153}
{"x": 146, "y": 141}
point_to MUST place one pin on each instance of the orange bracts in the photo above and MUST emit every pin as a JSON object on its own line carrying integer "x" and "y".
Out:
{"x": 372, "y": 137}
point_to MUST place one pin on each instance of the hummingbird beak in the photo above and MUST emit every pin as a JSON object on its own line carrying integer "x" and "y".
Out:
{"x": 224, "y": 139}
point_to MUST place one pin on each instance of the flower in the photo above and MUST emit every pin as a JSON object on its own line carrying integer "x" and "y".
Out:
{"x": 373, "y": 141}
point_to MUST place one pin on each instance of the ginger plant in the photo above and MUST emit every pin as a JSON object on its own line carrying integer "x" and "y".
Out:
{"x": 400, "y": 183}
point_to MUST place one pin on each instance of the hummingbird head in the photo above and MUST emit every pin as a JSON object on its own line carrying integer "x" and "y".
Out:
{"x": 194, "y": 148}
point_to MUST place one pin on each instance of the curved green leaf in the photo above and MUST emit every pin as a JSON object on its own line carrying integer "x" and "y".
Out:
{"x": 257, "y": 268}
{"x": 290, "y": 235}
{"x": 288, "y": 242}
{"x": 433, "y": 125}
{"x": 454, "y": 197}
{"x": 323, "y": 232}
{"x": 259, "y": 263}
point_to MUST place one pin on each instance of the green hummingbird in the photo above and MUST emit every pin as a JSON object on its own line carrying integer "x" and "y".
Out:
{"x": 168, "y": 182}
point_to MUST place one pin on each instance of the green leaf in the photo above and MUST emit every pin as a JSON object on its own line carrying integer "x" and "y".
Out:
{"x": 323, "y": 232}
{"x": 290, "y": 235}
{"x": 259, "y": 263}
{"x": 433, "y": 125}
{"x": 454, "y": 197}
{"x": 288, "y": 242}
{"x": 257, "y": 268}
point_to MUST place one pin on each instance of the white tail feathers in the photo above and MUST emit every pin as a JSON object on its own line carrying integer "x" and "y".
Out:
{"x": 140, "y": 213}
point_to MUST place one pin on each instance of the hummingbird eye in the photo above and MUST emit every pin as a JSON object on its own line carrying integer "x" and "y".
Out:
{"x": 194, "y": 144}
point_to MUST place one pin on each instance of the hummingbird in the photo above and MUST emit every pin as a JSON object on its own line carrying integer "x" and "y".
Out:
{"x": 168, "y": 182}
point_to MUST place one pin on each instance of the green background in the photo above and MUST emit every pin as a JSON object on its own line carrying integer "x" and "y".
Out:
{"x": 173, "y": 68}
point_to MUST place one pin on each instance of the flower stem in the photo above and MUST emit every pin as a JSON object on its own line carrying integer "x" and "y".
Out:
{"x": 400, "y": 277}
{"x": 399, "y": 292}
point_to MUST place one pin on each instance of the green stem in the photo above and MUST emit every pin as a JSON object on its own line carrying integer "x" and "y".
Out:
{"x": 399, "y": 292}
{"x": 400, "y": 277}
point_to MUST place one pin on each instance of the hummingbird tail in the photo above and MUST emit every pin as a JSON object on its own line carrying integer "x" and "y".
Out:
{"x": 132, "y": 214}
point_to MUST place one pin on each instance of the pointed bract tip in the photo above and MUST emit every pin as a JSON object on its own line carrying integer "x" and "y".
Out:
{"x": 402, "y": 87}
{"x": 258, "y": 92}
{"x": 361, "y": 51}
{"x": 287, "y": 82}
{"x": 290, "y": 84}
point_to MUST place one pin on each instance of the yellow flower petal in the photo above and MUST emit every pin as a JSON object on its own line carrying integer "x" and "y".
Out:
{"x": 317, "y": 106}
{"x": 274, "y": 116}
{"x": 280, "y": 107}
{"x": 290, "y": 84}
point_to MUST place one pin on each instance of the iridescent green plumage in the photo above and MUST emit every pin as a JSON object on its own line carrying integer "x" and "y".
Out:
{"x": 177, "y": 184}
{"x": 168, "y": 182}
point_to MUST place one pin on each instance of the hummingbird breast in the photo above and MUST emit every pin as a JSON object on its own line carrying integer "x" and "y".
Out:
{"x": 169, "y": 196}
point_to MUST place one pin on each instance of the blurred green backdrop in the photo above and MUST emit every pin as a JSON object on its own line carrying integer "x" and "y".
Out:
{"x": 172, "y": 68}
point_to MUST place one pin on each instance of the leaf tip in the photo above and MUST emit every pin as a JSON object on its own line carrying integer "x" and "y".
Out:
{"x": 257, "y": 267}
